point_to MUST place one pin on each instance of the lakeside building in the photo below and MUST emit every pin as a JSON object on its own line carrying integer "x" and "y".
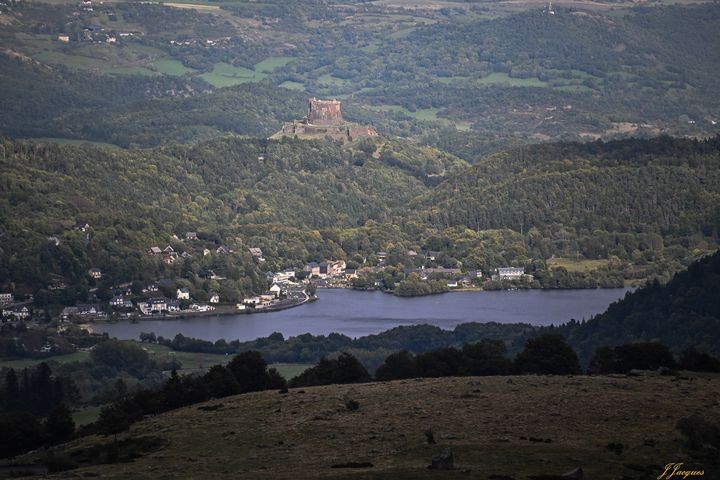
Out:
{"x": 510, "y": 273}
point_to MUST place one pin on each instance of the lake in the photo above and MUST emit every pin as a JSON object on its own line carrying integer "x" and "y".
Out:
{"x": 355, "y": 313}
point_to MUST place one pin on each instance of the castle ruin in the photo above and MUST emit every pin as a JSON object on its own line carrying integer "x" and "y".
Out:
{"x": 324, "y": 112}
{"x": 324, "y": 118}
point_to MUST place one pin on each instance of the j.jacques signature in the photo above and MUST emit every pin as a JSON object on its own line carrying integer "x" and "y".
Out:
{"x": 676, "y": 470}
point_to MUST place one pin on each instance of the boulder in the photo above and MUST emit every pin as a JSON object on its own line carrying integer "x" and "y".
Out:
{"x": 443, "y": 461}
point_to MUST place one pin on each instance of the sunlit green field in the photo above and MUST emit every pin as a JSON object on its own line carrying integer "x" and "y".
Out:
{"x": 271, "y": 63}
{"x": 226, "y": 75}
{"x": 573, "y": 265}
{"x": 329, "y": 80}
{"x": 503, "y": 78}
{"x": 172, "y": 67}
{"x": 292, "y": 85}
{"x": 422, "y": 114}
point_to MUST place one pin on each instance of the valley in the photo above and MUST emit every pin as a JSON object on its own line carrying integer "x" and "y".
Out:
{"x": 360, "y": 239}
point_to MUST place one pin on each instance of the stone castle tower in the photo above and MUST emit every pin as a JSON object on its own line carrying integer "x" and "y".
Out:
{"x": 325, "y": 119}
{"x": 324, "y": 112}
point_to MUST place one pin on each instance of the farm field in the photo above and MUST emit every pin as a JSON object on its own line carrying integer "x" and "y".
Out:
{"x": 226, "y": 75}
{"x": 503, "y": 78}
{"x": 581, "y": 265}
{"x": 272, "y": 63}
{"x": 424, "y": 115}
{"x": 292, "y": 85}
{"x": 172, "y": 67}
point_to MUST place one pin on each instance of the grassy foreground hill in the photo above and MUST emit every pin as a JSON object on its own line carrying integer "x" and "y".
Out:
{"x": 497, "y": 427}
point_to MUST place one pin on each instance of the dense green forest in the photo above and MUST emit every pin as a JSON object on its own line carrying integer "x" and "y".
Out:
{"x": 234, "y": 192}
{"x": 639, "y": 201}
{"x": 634, "y": 209}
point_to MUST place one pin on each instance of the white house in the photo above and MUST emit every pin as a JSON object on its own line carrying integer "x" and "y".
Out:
{"x": 183, "y": 294}
{"x": 201, "y": 307}
{"x": 214, "y": 298}
{"x": 510, "y": 273}
{"x": 116, "y": 301}
{"x": 159, "y": 305}
{"x": 19, "y": 313}
{"x": 275, "y": 290}
{"x": 95, "y": 273}
{"x": 88, "y": 309}
{"x": 283, "y": 276}
{"x": 252, "y": 301}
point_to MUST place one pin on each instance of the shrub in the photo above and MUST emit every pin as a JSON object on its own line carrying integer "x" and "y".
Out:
{"x": 699, "y": 362}
{"x": 344, "y": 369}
{"x": 631, "y": 356}
{"x": 547, "y": 354}
{"x": 396, "y": 366}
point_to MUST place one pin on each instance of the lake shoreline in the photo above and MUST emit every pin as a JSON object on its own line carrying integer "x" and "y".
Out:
{"x": 234, "y": 312}
{"x": 359, "y": 313}
{"x": 229, "y": 310}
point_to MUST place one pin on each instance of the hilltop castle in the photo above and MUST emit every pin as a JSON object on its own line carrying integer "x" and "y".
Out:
{"x": 324, "y": 112}
{"x": 324, "y": 118}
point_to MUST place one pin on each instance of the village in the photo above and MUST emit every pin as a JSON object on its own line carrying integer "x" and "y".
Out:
{"x": 289, "y": 287}
{"x": 401, "y": 272}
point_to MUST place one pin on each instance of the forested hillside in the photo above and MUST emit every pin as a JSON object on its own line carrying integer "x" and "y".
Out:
{"x": 630, "y": 199}
{"x": 571, "y": 214}
{"x": 235, "y": 192}
{"x": 682, "y": 314}
{"x": 129, "y": 111}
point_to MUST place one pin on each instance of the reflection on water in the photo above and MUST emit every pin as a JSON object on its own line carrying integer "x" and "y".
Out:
{"x": 355, "y": 314}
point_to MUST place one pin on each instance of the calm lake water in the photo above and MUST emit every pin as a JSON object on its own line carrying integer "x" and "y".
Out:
{"x": 356, "y": 314}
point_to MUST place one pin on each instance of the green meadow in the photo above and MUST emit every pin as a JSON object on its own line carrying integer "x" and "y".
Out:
{"x": 272, "y": 63}
{"x": 292, "y": 85}
{"x": 505, "y": 79}
{"x": 172, "y": 67}
{"x": 226, "y": 75}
